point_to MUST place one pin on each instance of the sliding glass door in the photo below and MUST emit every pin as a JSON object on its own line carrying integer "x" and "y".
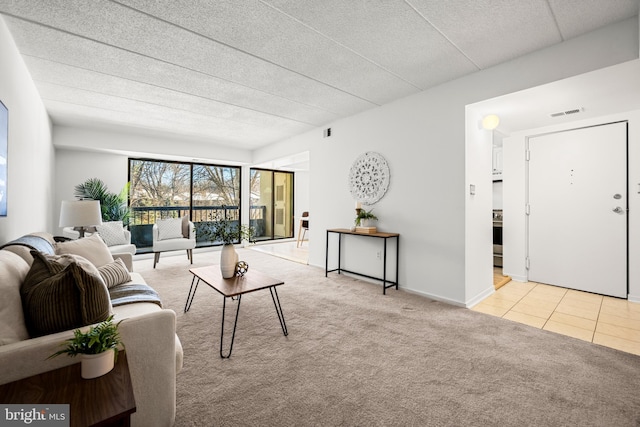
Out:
{"x": 272, "y": 203}
{"x": 163, "y": 189}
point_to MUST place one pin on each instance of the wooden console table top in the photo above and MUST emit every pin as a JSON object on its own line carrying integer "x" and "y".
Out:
{"x": 355, "y": 233}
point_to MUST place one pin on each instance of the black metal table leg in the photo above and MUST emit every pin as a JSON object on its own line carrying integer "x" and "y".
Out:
{"x": 326, "y": 256}
{"x": 384, "y": 268}
{"x": 233, "y": 335}
{"x": 276, "y": 303}
{"x": 191, "y": 295}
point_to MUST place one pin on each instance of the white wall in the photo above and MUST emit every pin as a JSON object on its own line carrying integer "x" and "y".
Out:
{"x": 301, "y": 199}
{"x": 74, "y": 167}
{"x": 137, "y": 145}
{"x": 425, "y": 141}
{"x": 31, "y": 155}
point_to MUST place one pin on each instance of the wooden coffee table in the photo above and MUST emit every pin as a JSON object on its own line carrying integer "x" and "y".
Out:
{"x": 234, "y": 288}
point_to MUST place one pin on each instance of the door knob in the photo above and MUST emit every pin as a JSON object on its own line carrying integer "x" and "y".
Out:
{"x": 618, "y": 210}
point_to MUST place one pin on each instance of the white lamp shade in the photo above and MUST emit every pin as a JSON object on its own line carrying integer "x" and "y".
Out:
{"x": 80, "y": 213}
{"x": 490, "y": 122}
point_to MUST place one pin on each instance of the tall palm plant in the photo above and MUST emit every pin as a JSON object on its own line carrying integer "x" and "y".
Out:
{"x": 113, "y": 206}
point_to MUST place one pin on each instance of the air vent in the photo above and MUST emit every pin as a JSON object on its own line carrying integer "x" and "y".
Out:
{"x": 566, "y": 113}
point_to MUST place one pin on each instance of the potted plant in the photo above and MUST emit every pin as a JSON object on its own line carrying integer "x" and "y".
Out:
{"x": 226, "y": 231}
{"x": 98, "y": 348}
{"x": 365, "y": 217}
{"x": 113, "y": 206}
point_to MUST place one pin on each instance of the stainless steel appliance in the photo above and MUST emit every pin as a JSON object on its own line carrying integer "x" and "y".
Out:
{"x": 497, "y": 237}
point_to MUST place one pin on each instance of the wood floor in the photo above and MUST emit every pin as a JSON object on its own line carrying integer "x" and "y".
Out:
{"x": 498, "y": 279}
{"x": 608, "y": 321}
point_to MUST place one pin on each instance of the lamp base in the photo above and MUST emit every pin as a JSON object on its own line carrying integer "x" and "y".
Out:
{"x": 81, "y": 231}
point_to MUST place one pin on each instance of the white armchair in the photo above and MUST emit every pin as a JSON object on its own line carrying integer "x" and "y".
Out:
{"x": 172, "y": 235}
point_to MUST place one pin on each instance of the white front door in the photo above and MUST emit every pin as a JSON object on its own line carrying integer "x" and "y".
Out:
{"x": 577, "y": 203}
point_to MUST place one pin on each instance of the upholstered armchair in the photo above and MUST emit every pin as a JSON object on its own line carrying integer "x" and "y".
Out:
{"x": 173, "y": 235}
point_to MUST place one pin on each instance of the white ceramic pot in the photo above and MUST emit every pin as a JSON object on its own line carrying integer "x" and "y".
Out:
{"x": 228, "y": 261}
{"x": 367, "y": 222}
{"x": 96, "y": 365}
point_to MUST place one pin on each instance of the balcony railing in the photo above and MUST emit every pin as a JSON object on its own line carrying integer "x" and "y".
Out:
{"x": 141, "y": 220}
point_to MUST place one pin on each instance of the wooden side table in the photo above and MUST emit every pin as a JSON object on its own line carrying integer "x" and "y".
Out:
{"x": 104, "y": 401}
{"x": 378, "y": 235}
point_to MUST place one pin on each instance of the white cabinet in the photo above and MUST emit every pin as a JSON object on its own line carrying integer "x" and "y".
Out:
{"x": 497, "y": 163}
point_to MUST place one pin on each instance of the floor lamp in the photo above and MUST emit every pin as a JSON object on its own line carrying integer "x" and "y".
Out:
{"x": 80, "y": 214}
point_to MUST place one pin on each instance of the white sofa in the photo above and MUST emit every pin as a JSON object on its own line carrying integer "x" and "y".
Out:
{"x": 148, "y": 332}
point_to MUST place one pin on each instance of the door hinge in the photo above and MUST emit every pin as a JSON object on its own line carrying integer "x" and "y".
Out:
{"x": 527, "y": 209}
{"x": 527, "y": 155}
{"x": 527, "y": 264}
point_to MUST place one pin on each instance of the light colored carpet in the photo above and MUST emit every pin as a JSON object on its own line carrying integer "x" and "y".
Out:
{"x": 354, "y": 357}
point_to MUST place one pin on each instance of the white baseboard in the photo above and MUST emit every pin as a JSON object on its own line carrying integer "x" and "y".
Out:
{"x": 482, "y": 295}
{"x": 434, "y": 297}
{"x": 633, "y": 298}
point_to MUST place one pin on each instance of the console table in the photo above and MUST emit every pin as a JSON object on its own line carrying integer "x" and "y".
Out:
{"x": 384, "y": 236}
{"x": 104, "y": 401}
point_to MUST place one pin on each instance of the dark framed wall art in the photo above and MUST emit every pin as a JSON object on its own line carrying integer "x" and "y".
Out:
{"x": 4, "y": 145}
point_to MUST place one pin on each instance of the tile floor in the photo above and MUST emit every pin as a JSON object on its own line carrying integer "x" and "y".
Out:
{"x": 603, "y": 320}
{"x": 285, "y": 249}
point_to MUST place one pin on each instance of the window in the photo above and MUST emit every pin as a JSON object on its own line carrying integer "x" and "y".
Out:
{"x": 163, "y": 189}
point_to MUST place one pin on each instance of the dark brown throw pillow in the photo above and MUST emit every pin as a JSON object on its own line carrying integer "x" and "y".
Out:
{"x": 65, "y": 299}
{"x": 41, "y": 268}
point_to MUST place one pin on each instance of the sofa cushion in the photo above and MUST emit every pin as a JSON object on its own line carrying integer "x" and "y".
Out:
{"x": 169, "y": 228}
{"x": 92, "y": 248}
{"x": 67, "y": 297}
{"x": 13, "y": 270}
{"x": 115, "y": 273}
{"x": 112, "y": 232}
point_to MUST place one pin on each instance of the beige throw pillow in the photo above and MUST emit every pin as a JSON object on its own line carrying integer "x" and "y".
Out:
{"x": 92, "y": 248}
{"x": 169, "y": 228}
{"x": 112, "y": 232}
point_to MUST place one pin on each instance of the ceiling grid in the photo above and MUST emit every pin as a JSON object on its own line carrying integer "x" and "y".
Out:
{"x": 246, "y": 73}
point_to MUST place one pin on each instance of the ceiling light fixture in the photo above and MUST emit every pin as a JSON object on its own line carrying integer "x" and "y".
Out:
{"x": 490, "y": 122}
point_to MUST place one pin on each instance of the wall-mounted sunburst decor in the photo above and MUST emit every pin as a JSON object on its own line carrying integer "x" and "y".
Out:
{"x": 369, "y": 178}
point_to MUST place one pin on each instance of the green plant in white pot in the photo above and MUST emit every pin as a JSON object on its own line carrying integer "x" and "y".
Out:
{"x": 365, "y": 218}
{"x": 98, "y": 348}
{"x": 227, "y": 232}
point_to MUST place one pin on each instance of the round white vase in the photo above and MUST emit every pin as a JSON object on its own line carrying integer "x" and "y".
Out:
{"x": 96, "y": 365}
{"x": 228, "y": 261}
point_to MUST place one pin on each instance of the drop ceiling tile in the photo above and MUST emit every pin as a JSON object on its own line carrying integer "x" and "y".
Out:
{"x": 389, "y": 33}
{"x": 47, "y": 73}
{"x": 166, "y": 45}
{"x": 492, "y": 31}
{"x": 577, "y": 17}
{"x": 85, "y": 55}
{"x": 91, "y": 106}
{"x": 266, "y": 33}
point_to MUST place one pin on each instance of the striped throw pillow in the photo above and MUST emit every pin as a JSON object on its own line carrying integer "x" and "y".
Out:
{"x": 114, "y": 273}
